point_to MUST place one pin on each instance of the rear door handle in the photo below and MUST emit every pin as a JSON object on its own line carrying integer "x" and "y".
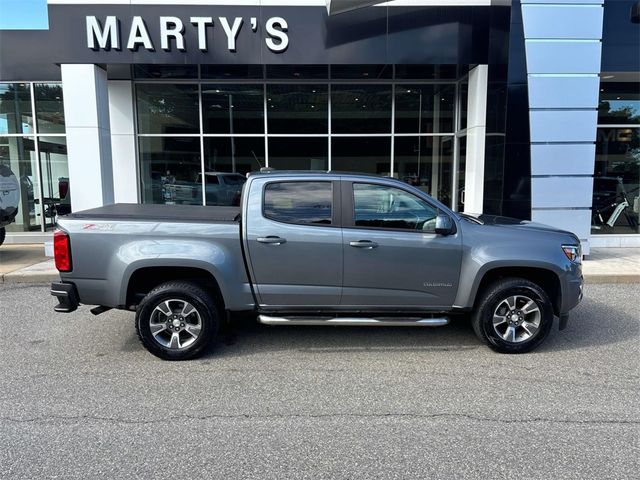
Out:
{"x": 271, "y": 239}
{"x": 366, "y": 244}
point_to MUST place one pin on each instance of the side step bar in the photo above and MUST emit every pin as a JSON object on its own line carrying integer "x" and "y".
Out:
{"x": 356, "y": 321}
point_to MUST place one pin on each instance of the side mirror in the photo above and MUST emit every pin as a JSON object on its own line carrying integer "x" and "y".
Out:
{"x": 444, "y": 225}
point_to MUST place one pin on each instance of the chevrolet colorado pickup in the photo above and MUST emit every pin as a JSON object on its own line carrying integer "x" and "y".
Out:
{"x": 317, "y": 248}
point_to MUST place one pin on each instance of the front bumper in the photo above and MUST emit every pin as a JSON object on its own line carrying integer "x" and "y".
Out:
{"x": 573, "y": 292}
{"x": 67, "y": 296}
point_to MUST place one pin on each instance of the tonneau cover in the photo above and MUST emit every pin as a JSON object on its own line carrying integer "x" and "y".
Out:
{"x": 160, "y": 213}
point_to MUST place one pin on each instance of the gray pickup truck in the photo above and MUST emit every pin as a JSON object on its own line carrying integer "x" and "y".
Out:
{"x": 317, "y": 249}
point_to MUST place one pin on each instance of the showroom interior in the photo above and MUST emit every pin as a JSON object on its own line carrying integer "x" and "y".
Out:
{"x": 493, "y": 106}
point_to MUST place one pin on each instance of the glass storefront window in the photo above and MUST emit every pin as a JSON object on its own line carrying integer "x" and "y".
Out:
{"x": 232, "y": 71}
{"x": 234, "y": 154}
{"x": 298, "y": 72}
{"x": 361, "y": 109}
{"x": 18, "y": 163}
{"x": 616, "y": 183}
{"x": 427, "y": 72}
{"x": 619, "y": 103}
{"x": 337, "y": 116}
{"x": 56, "y": 184}
{"x": 15, "y": 108}
{"x": 425, "y": 108}
{"x": 361, "y": 154}
{"x": 427, "y": 163}
{"x": 49, "y": 107}
{"x": 170, "y": 170}
{"x": 298, "y": 153}
{"x": 165, "y": 71}
{"x": 464, "y": 98}
{"x": 297, "y": 108}
{"x": 167, "y": 108}
{"x": 233, "y": 108}
{"x": 462, "y": 164}
{"x": 33, "y": 192}
{"x": 361, "y": 72}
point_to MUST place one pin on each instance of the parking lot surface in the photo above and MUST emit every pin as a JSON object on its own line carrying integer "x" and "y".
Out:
{"x": 80, "y": 398}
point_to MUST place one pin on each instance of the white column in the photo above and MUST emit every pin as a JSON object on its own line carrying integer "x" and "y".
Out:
{"x": 563, "y": 49}
{"x": 86, "y": 111}
{"x": 123, "y": 141}
{"x": 476, "y": 134}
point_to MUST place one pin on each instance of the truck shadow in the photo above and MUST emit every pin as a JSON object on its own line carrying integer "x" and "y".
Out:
{"x": 247, "y": 337}
{"x": 593, "y": 323}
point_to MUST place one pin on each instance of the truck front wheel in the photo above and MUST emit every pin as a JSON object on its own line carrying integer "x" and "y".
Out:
{"x": 177, "y": 320}
{"x": 514, "y": 315}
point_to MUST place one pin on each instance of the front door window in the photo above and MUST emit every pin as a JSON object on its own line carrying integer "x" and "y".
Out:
{"x": 381, "y": 206}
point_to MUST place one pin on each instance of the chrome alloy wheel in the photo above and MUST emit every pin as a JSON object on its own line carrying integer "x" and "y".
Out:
{"x": 517, "y": 318}
{"x": 175, "y": 324}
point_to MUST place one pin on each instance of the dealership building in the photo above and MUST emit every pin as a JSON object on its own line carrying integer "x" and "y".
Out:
{"x": 522, "y": 108}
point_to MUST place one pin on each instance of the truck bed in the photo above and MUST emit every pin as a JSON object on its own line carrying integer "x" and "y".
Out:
{"x": 160, "y": 213}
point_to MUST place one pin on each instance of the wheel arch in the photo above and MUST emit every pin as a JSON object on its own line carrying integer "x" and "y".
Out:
{"x": 143, "y": 278}
{"x": 542, "y": 275}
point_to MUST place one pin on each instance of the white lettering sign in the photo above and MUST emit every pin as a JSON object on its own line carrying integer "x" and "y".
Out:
{"x": 232, "y": 32}
{"x": 276, "y": 28}
{"x": 201, "y": 23}
{"x": 171, "y": 27}
{"x": 139, "y": 35}
{"x": 106, "y": 35}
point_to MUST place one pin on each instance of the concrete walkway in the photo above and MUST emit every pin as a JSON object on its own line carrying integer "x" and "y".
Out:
{"x": 612, "y": 265}
{"x": 18, "y": 258}
{"x": 28, "y": 264}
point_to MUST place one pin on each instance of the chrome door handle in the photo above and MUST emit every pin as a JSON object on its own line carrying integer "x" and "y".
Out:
{"x": 367, "y": 244}
{"x": 271, "y": 239}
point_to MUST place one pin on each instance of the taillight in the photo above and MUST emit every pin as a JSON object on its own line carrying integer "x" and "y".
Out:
{"x": 62, "y": 251}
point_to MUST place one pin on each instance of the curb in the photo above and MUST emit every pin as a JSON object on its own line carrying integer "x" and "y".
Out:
{"x": 31, "y": 277}
{"x": 43, "y": 272}
{"x": 599, "y": 278}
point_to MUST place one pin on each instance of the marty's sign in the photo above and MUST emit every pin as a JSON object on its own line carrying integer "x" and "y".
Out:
{"x": 107, "y": 35}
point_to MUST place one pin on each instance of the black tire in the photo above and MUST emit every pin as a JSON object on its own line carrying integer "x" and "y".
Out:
{"x": 495, "y": 295}
{"x": 3, "y": 235}
{"x": 174, "y": 293}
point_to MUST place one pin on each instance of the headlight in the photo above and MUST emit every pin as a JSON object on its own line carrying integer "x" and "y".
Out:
{"x": 573, "y": 253}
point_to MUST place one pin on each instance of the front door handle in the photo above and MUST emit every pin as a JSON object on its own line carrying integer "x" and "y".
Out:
{"x": 271, "y": 239}
{"x": 366, "y": 244}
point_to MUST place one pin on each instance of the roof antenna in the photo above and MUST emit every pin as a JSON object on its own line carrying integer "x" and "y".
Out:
{"x": 257, "y": 160}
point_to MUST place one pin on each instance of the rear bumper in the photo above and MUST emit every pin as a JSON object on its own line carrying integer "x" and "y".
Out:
{"x": 67, "y": 296}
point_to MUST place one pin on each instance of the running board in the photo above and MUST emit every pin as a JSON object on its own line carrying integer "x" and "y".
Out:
{"x": 356, "y": 321}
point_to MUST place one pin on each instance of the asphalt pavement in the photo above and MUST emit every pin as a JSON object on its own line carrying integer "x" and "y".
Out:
{"x": 80, "y": 398}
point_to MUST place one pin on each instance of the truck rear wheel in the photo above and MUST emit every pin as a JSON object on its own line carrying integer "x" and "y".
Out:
{"x": 514, "y": 315}
{"x": 3, "y": 235}
{"x": 177, "y": 320}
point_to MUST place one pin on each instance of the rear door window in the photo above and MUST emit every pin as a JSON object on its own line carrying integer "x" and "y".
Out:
{"x": 303, "y": 203}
